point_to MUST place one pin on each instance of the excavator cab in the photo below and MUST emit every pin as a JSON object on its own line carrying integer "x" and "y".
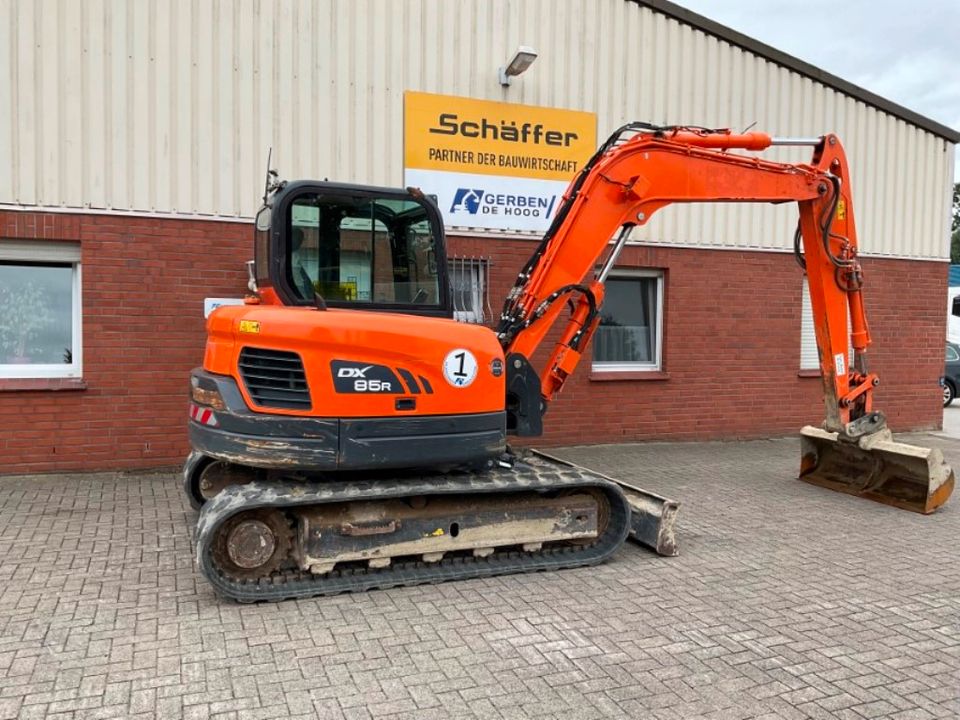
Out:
{"x": 352, "y": 247}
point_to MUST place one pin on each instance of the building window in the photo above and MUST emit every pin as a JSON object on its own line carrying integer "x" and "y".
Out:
{"x": 809, "y": 357}
{"x": 40, "y": 318}
{"x": 469, "y": 280}
{"x": 630, "y": 333}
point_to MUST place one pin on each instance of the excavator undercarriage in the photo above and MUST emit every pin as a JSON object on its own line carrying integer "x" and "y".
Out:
{"x": 272, "y": 539}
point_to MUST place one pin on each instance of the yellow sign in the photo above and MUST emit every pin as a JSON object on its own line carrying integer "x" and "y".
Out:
{"x": 336, "y": 290}
{"x": 463, "y": 135}
{"x": 249, "y": 326}
{"x": 841, "y": 209}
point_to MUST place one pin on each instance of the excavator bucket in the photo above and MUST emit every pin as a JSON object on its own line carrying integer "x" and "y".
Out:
{"x": 878, "y": 468}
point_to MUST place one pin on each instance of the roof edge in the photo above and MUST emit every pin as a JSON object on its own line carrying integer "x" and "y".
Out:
{"x": 790, "y": 62}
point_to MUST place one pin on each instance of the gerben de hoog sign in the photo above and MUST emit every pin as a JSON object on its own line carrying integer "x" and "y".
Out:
{"x": 491, "y": 164}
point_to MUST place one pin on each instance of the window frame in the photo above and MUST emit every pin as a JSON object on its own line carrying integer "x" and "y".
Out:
{"x": 50, "y": 254}
{"x": 281, "y": 232}
{"x": 657, "y": 365}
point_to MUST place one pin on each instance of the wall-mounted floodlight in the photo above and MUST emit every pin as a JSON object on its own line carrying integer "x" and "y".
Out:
{"x": 521, "y": 60}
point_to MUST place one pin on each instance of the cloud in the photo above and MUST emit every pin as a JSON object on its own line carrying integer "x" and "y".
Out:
{"x": 907, "y": 53}
{"x": 898, "y": 54}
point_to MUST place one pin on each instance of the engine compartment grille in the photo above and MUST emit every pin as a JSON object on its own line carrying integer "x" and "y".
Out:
{"x": 274, "y": 378}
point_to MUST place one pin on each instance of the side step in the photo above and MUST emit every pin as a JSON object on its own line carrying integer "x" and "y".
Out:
{"x": 652, "y": 516}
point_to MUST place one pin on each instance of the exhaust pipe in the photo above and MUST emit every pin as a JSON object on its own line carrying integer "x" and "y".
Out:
{"x": 876, "y": 467}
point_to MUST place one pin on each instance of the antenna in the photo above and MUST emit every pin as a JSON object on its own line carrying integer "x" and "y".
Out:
{"x": 266, "y": 182}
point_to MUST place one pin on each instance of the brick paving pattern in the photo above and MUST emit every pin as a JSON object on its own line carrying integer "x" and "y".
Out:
{"x": 787, "y": 601}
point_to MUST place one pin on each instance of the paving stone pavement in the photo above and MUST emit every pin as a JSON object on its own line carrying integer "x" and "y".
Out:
{"x": 788, "y": 601}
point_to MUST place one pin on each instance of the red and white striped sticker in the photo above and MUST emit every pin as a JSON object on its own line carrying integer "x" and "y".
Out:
{"x": 203, "y": 415}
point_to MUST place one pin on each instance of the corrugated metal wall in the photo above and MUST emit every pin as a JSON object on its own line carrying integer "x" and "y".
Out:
{"x": 169, "y": 106}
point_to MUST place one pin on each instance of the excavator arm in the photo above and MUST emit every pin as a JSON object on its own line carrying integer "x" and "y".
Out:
{"x": 643, "y": 168}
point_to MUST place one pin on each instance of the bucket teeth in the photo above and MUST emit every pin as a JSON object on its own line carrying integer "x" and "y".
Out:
{"x": 878, "y": 468}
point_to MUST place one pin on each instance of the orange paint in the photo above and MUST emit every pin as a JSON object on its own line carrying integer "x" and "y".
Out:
{"x": 418, "y": 344}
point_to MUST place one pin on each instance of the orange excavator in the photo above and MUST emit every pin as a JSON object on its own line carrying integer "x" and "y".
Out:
{"x": 348, "y": 433}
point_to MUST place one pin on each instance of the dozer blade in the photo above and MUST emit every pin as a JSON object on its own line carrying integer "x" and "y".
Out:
{"x": 878, "y": 468}
{"x": 652, "y": 517}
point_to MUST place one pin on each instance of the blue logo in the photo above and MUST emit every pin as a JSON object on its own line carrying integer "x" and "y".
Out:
{"x": 467, "y": 199}
{"x": 477, "y": 201}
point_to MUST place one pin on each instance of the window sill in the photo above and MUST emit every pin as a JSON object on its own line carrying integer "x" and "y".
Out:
{"x": 19, "y": 384}
{"x": 808, "y": 373}
{"x": 613, "y": 375}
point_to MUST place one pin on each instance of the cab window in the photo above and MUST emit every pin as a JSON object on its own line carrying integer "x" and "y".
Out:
{"x": 379, "y": 252}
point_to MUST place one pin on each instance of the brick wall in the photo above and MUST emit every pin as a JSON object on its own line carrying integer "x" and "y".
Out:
{"x": 144, "y": 281}
{"x": 731, "y": 353}
{"x": 731, "y": 345}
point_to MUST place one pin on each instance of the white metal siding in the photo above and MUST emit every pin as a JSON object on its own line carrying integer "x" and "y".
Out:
{"x": 169, "y": 106}
{"x": 809, "y": 356}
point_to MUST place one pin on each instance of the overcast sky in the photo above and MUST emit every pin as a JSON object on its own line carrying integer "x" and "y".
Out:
{"x": 907, "y": 52}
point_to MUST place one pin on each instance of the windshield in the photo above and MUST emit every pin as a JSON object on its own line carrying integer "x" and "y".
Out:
{"x": 361, "y": 250}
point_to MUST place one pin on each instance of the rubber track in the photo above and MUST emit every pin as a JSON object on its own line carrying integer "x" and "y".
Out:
{"x": 535, "y": 475}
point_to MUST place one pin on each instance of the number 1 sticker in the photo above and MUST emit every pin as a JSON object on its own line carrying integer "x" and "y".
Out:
{"x": 459, "y": 367}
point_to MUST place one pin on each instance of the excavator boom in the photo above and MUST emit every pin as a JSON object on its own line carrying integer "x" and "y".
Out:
{"x": 641, "y": 169}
